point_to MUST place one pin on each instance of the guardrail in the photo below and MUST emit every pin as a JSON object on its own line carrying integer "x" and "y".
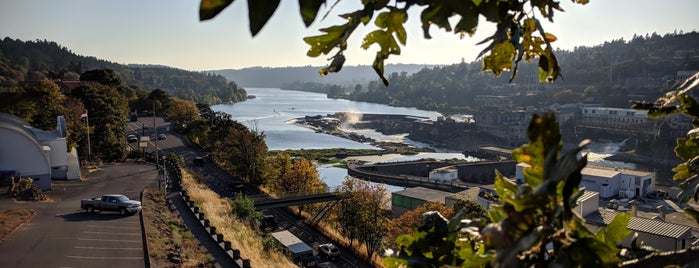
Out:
{"x": 173, "y": 182}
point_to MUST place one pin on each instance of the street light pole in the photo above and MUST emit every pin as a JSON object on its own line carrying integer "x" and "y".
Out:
{"x": 155, "y": 131}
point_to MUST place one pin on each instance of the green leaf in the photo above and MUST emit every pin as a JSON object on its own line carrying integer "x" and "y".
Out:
{"x": 500, "y": 58}
{"x": 689, "y": 105}
{"x": 392, "y": 22}
{"x": 616, "y": 231}
{"x": 692, "y": 213}
{"x": 259, "y": 12}
{"x": 686, "y": 148}
{"x": 335, "y": 65}
{"x": 437, "y": 14}
{"x": 309, "y": 10}
{"x": 210, "y": 8}
{"x": 323, "y": 44}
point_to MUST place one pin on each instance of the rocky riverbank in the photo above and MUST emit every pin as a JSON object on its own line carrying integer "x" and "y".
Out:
{"x": 454, "y": 138}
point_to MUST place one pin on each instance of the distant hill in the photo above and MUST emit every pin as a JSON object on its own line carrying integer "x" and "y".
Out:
{"x": 41, "y": 59}
{"x": 278, "y": 76}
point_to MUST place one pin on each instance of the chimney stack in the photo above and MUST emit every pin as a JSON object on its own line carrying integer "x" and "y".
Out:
{"x": 634, "y": 208}
{"x": 661, "y": 211}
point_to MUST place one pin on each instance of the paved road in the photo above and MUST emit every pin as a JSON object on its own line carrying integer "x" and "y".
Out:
{"x": 61, "y": 235}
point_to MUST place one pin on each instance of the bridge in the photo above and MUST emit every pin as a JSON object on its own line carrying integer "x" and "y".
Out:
{"x": 267, "y": 202}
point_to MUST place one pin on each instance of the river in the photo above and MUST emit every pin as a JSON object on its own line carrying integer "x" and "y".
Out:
{"x": 273, "y": 110}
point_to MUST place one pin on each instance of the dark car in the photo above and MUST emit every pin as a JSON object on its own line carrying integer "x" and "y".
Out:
{"x": 198, "y": 161}
{"x": 329, "y": 251}
{"x": 162, "y": 136}
{"x": 268, "y": 222}
{"x": 131, "y": 138}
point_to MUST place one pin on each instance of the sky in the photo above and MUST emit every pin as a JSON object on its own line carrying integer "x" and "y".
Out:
{"x": 168, "y": 32}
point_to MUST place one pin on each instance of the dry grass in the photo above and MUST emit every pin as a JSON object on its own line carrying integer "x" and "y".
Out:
{"x": 12, "y": 219}
{"x": 167, "y": 234}
{"x": 358, "y": 248}
{"x": 218, "y": 211}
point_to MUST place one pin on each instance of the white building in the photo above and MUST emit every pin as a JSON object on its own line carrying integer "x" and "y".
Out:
{"x": 617, "y": 118}
{"x": 587, "y": 203}
{"x": 27, "y": 152}
{"x": 609, "y": 182}
{"x": 444, "y": 175}
{"x": 605, "y": 182}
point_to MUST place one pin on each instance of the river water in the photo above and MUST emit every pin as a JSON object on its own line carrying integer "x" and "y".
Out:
{"x": 273, "y": 110}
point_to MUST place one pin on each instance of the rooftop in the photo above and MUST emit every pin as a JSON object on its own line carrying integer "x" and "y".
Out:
{"x": 661, "y": 228}
{"x": 423, "y": 193}
{"x": 597, "y": 172}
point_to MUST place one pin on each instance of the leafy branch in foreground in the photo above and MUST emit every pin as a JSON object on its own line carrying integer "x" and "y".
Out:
{"x": 534, "y": 225}
{"x": 519, "y": 33}
{"x": 679, "y": 100}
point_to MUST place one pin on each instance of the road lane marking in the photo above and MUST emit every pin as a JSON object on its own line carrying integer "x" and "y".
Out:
{"x": 110, "y": 240}
{"x": 105, "y": 258}
{"x": 103, "y": 248}
{"x": 89, "y": 232}
{"x": 114, "y": 227}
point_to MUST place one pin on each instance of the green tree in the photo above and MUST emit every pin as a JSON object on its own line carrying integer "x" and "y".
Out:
{"x": 107, "y": 110}
{"x": 244, "y": 208}
{"x": 182, "y": 113}
{"x": 37, "y": 103}
{"x": 276, "y": 167}
{"x": 160, "y": 101}
{"x": 360, "y": 214}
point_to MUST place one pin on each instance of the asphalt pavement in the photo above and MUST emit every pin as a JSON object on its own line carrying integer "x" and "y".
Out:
{"x": 62, "y": 235}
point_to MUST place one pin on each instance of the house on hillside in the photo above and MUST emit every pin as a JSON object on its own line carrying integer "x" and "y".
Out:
{"x": 27, "y": 152}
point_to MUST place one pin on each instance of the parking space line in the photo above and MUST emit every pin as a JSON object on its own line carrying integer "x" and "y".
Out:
{"x": 114, "y": 227}
{"x": 105, "y": 258}
{"x": 108, "y": 233}
{"x": 105, "y": 248}
{"x": 110, "y": 240}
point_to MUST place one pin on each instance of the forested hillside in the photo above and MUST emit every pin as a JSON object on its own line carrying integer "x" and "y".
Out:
{"x": 609, "y": 74}
{"x": 279, "y": 76}
{"x": 42, "y": 59}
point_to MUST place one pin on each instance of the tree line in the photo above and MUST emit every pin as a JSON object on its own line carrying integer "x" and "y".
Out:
{"x": 41, "y": 59}
{"x": 644, "y": 66}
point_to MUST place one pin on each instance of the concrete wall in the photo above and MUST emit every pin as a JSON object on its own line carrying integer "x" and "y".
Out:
{"x": 484, "y": 172}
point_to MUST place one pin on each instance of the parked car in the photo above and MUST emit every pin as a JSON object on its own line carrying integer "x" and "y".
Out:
{"x": 198, "y": 161}
{"x": 161, "y": 136}
{"x": 111, "y": 202}
{"x": 329, "y": 251}
{"x": 268, "y": 222}
{"x": 131, "y": 138}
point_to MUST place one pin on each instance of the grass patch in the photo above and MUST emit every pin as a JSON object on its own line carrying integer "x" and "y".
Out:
{"x": 167, "y": 235}
{"x": 219, "y": 213}
{"x": 12, "y": 219}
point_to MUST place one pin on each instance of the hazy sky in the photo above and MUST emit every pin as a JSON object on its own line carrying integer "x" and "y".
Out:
{"x": 168, "y": 32}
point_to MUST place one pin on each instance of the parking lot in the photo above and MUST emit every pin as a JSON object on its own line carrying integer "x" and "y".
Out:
{"x": 62, "y": 235}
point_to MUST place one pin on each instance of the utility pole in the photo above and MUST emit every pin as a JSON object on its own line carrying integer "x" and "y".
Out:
{"x": 155, "y": 131}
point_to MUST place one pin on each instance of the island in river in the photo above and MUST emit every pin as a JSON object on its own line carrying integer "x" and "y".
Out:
{"x": 443, "y": 134}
